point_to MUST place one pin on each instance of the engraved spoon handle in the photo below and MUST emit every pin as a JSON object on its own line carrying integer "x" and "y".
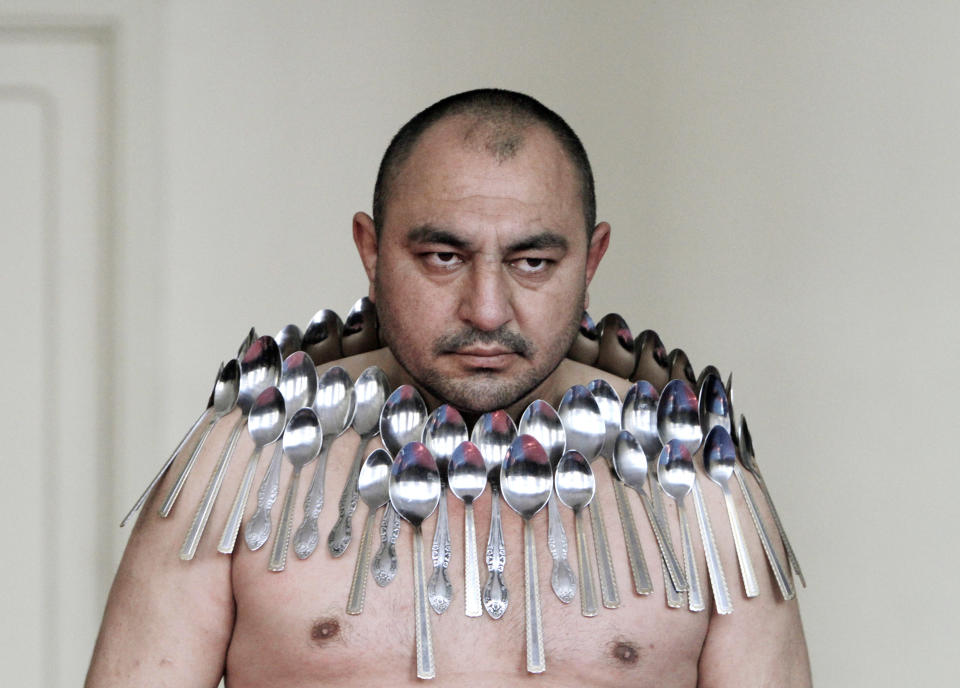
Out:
{"x": 278, "y": 557}
{"x": 676, "y": 595}
{"x": 439, "y": 588}
{"x": 340, "y": 535}
{"x": 425, "y": 668}
{"x": 385, "y": 561}
{"x": 673, "y": 568}
{"x": 694, "y": 592}
{"x": 471, "y": 567}
{"x": 562, "y": 579}
{"x": 257, "y": 529}
{"x": 536, "y": 658}
{"x": 779, "y": 570}
{"x": 718, "y": 582}
{"x": 308, "y": 534}
{"x": 609, "y": 591}
{"x": 229, "y": 536}
{"x": 205, "y": 508}
{"x": 174, "y": 492}
{"x": 638, "y": 563}
{"x": 358, "y": 586}
{"x": 783, "y": 533}
{"x": 750, "y": 586}
{"x": 495, "y": 597}
{"x": 588, "y": 586}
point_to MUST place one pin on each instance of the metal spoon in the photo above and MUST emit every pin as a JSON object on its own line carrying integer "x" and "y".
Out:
{"x": 335, "y": 405}
{"x": 374, "y": 487}
{"x": 401, "y": 421}
{"x": 289, "y": 339}
{"x": 586, "y": 345}
{"x": 652, "y": 363}
{"x": 575, "y": 486}
{"x": 468, "y": 478}
{"x": 414, "y": 493}
{"x": 719, "y": 458}
{"x": 302, "y": 439}
{"x": 225, "y": 394}
{"x": 676, "y": 476}
{"x": 298, "y": 385}
{"x": 678, "y": 419}
{"x": 680, "y": 367}
{"x": 630, "y": 463}
{"x": 543, "y": 423}
{"x": 205, "y": 416}
{"x": 525, "y": 476}
{"x": 246, "y": 343}
{"x": 586, "y": 434}
{"x": 748, "y": 458}
{"x": 360, "y": 328}
{"x": 640, "y": 419}
{"x": 616, "y": 354}
{"x": 371, "y": 390}
{"x": 267, "y": 418}
{"x": 321, "y": 338}
{"x": 443, "y": 432}
{"x": 493, "y": 434}
{"x": 259, "y": 369}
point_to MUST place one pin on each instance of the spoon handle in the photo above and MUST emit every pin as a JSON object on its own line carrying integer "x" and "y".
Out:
{"x": 783, "y": 533}
{"x": 229, "y": 536}
{"x": 638, "y": 563}
{"x": 562, "y": 580}
{"x": 694, "y": 592}
{"x": 257, "y": 529}
{"x": 495, "y": 597}
{"x": 385, "y": 561}
{"x": 340, "y": 535}
{"x": 672, "y": 566}
{"x": 779, "y": 571}
{"x": 588, "y": 586}
{"x": 609, "y": 591}
{"x": 471, "y": 568}
{"x": 750, "y": 586}
{"x": 536, "y": 658}
{"x": 676, "y": 595}
{"x": 358, "y": 586}
{"x": 439, "y": 588}
{"x": 174, "y": 492}
{"x": 425, "y": 668}
{"x": 278, "y": 557}
{"x": 718, "y": 582}
{"x": 195, "y": 532}
{"x": 308, "y": 534}
{"x": 166, "y": 466}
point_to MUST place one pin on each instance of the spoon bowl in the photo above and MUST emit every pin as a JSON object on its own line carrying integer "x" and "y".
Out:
{"x": 678, "y": 415}
{"x": 582, "y": 422}
{"x": 467, "y": 472}
{"x": 289, "y": 340}
{"x": 402, "y": 418}
{"x": 298, "y": 382}
{"x": 639, "y": 416}
{"x": 714, "y": 408}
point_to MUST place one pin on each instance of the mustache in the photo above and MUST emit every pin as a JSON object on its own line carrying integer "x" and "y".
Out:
{"x": 508, "y": 339}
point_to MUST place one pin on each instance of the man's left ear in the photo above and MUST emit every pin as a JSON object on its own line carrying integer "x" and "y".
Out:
{"x": 365, "y": 238}
{"x": 598, "y": 246}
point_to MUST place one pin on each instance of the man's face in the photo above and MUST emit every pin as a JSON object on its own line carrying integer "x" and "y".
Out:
{"x": 481, "y": 268}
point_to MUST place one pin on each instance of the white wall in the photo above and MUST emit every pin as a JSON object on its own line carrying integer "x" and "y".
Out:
{"x": 782, "y": 181}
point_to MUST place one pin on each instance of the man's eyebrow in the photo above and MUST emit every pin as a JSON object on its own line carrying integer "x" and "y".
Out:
{"x": 538, "y": 242}
{"x": 427, "y": 234}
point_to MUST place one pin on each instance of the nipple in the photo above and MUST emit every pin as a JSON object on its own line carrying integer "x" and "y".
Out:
{"x": 625, "y": 653}
{"x": 325, "y": 630}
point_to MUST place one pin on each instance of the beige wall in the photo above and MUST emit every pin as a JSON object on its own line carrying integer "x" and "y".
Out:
{"x": 782, "y": 179}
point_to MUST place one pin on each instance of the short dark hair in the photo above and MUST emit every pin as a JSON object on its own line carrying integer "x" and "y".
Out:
{"x": 508, "y": 110}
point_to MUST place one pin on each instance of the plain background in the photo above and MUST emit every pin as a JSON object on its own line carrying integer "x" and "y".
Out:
{"x": 782, "y": 179}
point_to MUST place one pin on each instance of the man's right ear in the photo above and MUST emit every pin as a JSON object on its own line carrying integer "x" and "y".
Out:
{"x": 365, "y": 238}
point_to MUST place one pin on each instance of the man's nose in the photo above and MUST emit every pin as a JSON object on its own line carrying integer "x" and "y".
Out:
{"x": 486, "y": 299}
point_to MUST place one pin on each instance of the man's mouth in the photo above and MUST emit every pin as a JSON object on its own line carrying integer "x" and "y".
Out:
{"x": 490, "y": 358}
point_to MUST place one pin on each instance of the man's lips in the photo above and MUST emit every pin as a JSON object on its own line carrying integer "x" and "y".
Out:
{"x": 483, "y": 357}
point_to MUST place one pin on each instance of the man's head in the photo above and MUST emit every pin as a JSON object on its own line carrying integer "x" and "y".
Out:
{"x": 478, "y": 260}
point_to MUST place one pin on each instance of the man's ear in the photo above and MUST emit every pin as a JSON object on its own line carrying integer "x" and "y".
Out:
{"x": 365, "y": 237}
{"x": 598, "y": 246}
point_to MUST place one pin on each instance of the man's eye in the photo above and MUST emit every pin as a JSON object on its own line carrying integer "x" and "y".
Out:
{"x": 531, "y": 266}
{"x": 442, "y": 259}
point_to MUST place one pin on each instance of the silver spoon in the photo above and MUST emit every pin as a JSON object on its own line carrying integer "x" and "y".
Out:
{"x": 414, "y": 493}
{"x": 374, "y": 486}
{"x": 543, "y": 423}
{"x": 468, "y": 478}
{"x": 246, "y": 343}
{"x": 611, "y": 411}
{"x": 719, "y": 458}
{"x": 321, "y": 338}
{"x": 652, "y": 362}
{"x": 640, "y": 419}
{"x": 371, "y": 390}
{"x": 616, "y": 350}
{"x": 630, "y": 463}
{"x": 586, "y": 433}
{"x": 205, "y": 416}
{"x": 526, "y": 478}
{"x": 678, "y": 419}
{"x": 493, "y": 434}
{"x": 748, "y": 458}
{"x": 289, "y": 339}
{"x": 575, "y": 486}
{"x": 360, "y": 328}
{"x": 267, "y": 418}
{"x": 335, "y": 405}
{"x": 298, "y": 385}
{"x": 443, "y": 432}
{"x": 676, "y": 476}
{"x": 586, "y": 345}
{"x": 259, "y": 369}
{"x": 401, "y": 422}
{"x": 302, "y": 439}
{"x": 225, "y": 394}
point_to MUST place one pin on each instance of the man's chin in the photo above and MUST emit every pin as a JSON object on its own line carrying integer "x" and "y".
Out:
{"x": 481, "y": 391}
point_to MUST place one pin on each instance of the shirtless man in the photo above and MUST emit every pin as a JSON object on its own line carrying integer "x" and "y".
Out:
{"x": 479, "y": 253}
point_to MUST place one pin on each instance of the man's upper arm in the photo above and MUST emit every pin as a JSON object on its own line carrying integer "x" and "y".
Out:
{"x": 167, "y": 621}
